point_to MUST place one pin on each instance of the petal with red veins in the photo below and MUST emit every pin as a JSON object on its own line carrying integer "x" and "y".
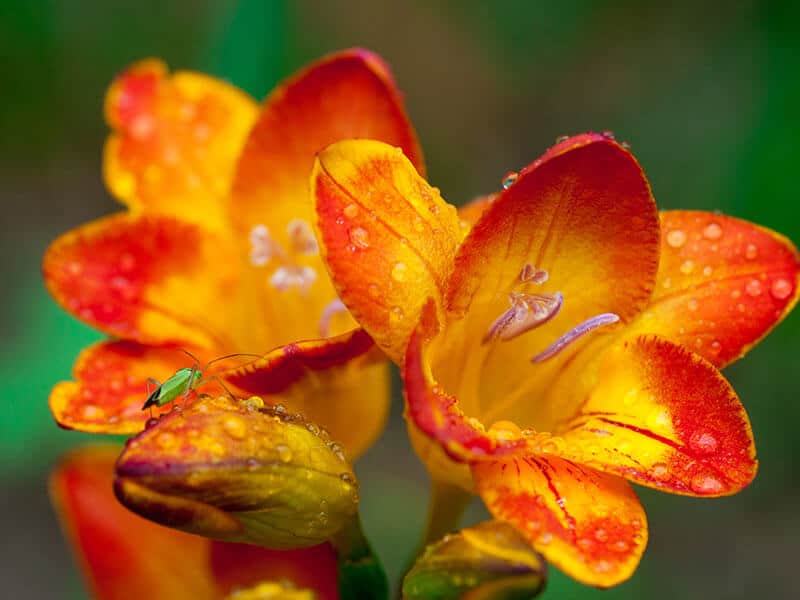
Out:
{"x": 659, "y": 415}
{"x": 175, "y": 142}
{"x": 723, "y": 284}
{"x": 388, "y": 237}
{"x": 153, "y": 279}
{"x": 335, "y": 382}
{"x": 584, "y": 214}
{"x": 588, "y": 524}
{"x": 110, "y": 387}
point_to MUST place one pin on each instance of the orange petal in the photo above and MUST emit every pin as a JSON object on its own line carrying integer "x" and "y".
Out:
{"x": 471, "y": 212}
{"x": 588, "y": 524}
{"x": 152, "y": 279}
{"x": 661, "y": 416}
{"x": 337, "y": 382}
{"x": 175, "y": 142}
{"x": 723, "y": 284}
{"x": 584, "y": 214}
{"x": 110, "y": 387}
{"x": 388, "y": 237}
{"x": 125, "y": 557}
{"x": 350, "y": 94}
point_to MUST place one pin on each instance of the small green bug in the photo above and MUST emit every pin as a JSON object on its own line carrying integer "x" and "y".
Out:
{"x": 183, "y": 382}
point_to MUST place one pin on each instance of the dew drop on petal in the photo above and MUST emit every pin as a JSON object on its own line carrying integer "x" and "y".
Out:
{"x": 609, "y": 134}
{"x": 396, "y": 315}
{"x": 505, "y": 430}
{"x": 712, "y": 231}
{"x": 234, "y": 427}
{"x": 781, "y": 289}
{"x": 359, "y": 237}
{"x": 703, "y": 442}
{"x": 284, "y": 452}
{"x": 706, "y": 484}
{"x": 91, "y": 412}
{"x": 753, "y": 288}
{"x": 660, "y": 471}
{"x": 707, "y": 270}
{"x": 373, "y": 291}
{"x": 692, "y": 304}
{"x": 399, "y": 271}
{"x": 509, "y": 179}
{"x": 561, "y": 138}
{"x": 687, "y": 266}
{"x": 676, "y": 238}
{"x": 751, "y": 251}
{"x": 350, "y": 211}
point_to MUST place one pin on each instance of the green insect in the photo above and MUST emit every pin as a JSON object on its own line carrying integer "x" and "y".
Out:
{"x": 183, "y": 382}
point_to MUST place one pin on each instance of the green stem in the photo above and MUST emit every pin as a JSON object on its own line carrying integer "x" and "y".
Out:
{"x": 445, "y": 509}
{"x": 361, "y": 574}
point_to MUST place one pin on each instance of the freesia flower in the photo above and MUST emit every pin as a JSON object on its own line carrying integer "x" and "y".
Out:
{"x": 125, "y": 557}
{"x": 215, "y": 253}
{"x": 567, "y": 344}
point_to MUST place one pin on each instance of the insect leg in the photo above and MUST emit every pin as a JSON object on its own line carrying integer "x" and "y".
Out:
{"x": 152, "y": 396}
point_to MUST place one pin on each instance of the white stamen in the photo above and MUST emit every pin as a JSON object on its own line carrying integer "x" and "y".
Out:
{"x": 574, "y": 334}
{"x": 301, "y": 237}
{"x": 264, "y": 248}
{"x": 333, "y": 307}
{"x": 530, "y": 274}
{"x": 286, "y": 277}
{"x": 527, "y": 312}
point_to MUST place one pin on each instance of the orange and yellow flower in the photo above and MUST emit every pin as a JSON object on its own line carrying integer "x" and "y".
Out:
{"x": 215, "y": 253}
{"x": 566, "y": 342}
{"x": 125, "y": 557}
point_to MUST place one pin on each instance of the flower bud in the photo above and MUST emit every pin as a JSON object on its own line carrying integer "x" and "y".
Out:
{"x": 269, "y": 590}
{"x": 488, "y": 561}
{"x": 239, "y": 471}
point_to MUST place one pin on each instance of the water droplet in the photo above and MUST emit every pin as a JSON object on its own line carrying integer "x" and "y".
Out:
{"x": 373, "y": 291}
{"x": 751, "y": 251}
{"x": 505, "y": 430}
{"x": 561, "y": 138}
{"x": 703, "y": 442}
{"x": 91, "y": 412}
{"x": 313, "y": 428}
{"x": 692, "y": 304}
{"x": 687, "y": 266}
{"x": 434, "y": 208}
{"x": 510, "y": 179}
{"x": 753, "y": 288}
{"x": 601, "y": 535}
{"x": 546, "y": 537}
{"x": 660, "y": 471}
{"x": 706, "y": 484}
{"x": 166, "y": 440}
{"x": 251, "y": 464}
{"x": 350, "y": 211}
{"x": 626, "y": 145}
{"x": 152, "y": 422}
{"x": 781, "y": 289}
{"x": 667, "y": 283}
{"x": 676, "y": 238}
{"x": 712, "y": 231}
{"x": 602, "y": 566}
{"x": 399, "y": 271}
{"x": 609, "y": 134}
{"x": 234, "y": 427}
{"x": 707, "y": 270}
{"x": 620, "y": 546}
{"x": 716, "y": 348}
{"x": 284, "y": 452}
{"x": 253, "y": 403}
{"x": 396, "y": 314}
{"x": 347, "y": 478}
{"x": 359, "y": 237}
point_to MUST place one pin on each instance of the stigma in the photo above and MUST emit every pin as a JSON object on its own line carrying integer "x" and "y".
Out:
{"x": 574, "y": 334}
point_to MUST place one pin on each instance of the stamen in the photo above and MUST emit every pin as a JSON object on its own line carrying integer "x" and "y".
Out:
{"x": 301, "y": 237}
{"x": 333, "y": 307}
{"x": 264, "y": 248}
{"x": 530, "y": 274}
{"x": 527, "y": 312}
{"x": 573, "y": 334}
{"x": 293, "y": 276}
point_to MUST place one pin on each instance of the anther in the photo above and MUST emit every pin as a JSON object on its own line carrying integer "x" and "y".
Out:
{"x": 293, "y": 276}
{"x": 333, "y": 307}
{"x": 530, "y": 274}
{"x": 263, "y": 246}
{"x": 527, "y": 312}
{"x": 301, "y": 237}
{"x": 574, "y": 334}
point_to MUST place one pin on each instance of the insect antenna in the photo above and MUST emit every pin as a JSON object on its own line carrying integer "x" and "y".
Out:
{"x": 211, "y": 362}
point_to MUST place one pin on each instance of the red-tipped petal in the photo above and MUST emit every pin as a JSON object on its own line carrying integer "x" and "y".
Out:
{"x": 175, "y": 142}
{"x": 723, "y": 284}
{"x": 110, "y": 387}
{"x": 661, "y": 416}
{"x": 350, "y": 94}
{"x": 588, "y": 524}
{"x": 156, "y": 280}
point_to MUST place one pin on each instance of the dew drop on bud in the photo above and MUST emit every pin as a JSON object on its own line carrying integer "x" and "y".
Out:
{"x": 561, "y": 138}
{"x": 781, "y": 289}
{"x": 676, "y": 238}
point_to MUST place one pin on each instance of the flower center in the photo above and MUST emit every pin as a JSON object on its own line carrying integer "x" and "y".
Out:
{"x": 529, "y": 311}
{"x": 265, "y": 250}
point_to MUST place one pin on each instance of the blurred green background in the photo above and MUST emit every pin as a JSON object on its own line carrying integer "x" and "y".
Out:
{"x": 707, "y": 93}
